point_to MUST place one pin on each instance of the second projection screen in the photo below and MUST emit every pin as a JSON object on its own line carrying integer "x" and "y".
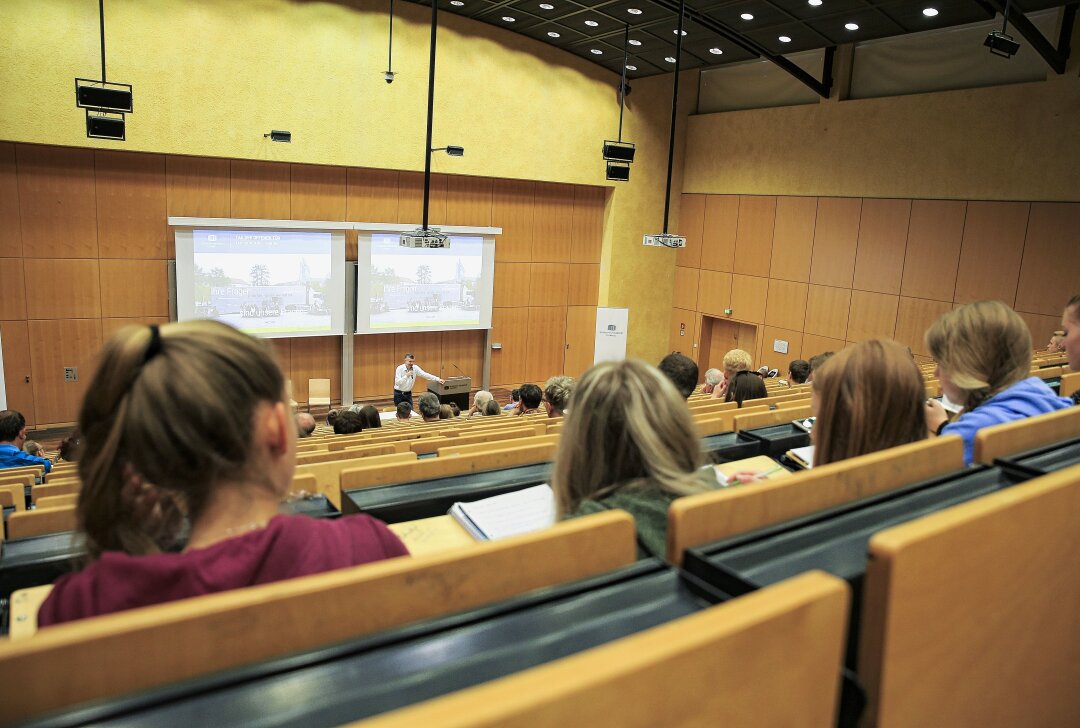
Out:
{"x": 425, "y": 289}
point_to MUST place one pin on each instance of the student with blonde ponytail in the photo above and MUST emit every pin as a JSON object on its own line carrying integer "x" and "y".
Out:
{"x": 628, "y": 442}
{"x": 223, "y": 458}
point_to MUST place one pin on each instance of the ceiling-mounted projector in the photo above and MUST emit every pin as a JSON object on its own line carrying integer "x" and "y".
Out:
{"x": 665, "y": 240}
{"x": 424, "y": 238}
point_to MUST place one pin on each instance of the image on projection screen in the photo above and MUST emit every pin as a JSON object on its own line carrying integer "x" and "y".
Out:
{"x": 418, "y": 288}
{"x": 264, "y": 283}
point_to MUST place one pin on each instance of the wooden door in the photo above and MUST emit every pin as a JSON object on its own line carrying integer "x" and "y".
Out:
{"x": 580, "y": 339}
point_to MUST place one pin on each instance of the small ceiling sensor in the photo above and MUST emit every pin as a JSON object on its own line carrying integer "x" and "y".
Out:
{"x": 670, "y": 59}
{"x": 630, "y": 68}
{"x": 784, "y": 39}
{"x": 634, "y": 11}
{"x": 747, "y": 16}
{"x": 591, "y": 23}
{"x": 553, "y": 34}
{"x": 716, "y": 51}
{"x": 509, "y": 18}
{"x": 634, "y": 42}
{"x": 547, "y": 6}
{"x": 596, "y": 51}
{"x": 851, "y": 26}
{"x": 929, "y": 12}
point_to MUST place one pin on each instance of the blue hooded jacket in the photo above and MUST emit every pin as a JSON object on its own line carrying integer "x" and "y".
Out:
{"x": 1026, "y": 398}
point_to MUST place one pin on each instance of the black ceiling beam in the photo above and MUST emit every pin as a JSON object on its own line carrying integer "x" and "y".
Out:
{"x": 1054, "y": 57}
{"x": 822, "y": 87}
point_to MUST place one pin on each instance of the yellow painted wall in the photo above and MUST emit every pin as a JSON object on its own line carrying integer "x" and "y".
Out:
{"x": 211, "y": 76}
{"x": 1017, "y": 142}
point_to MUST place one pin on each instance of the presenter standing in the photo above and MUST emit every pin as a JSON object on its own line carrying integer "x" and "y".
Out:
{"x": 405, "y": 379}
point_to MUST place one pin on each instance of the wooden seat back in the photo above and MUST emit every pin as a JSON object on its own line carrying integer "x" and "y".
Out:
{"x": 750, "y": 420}
{"x": 142, "y": 648}
{"x": 8, "y": 478}
{"x": 1070, "y": 384}
{"x": 770, "y": 658}
{"x": 367, "y": 476}
{"x": 13, "y": 495}
{"x": 350, "y": 453}
{"x": 707, "y": 517}
{"x": 723, "y": 422}
{"x": 437, "y": 444}
{"x": 328, "y": 474}
{"x": 38, "y": 471}
{"x": 24, "y": 524}
{"x": 986, "y": 590}
{"x": 56, "y": 501}
{"x": 1031, "y": 432}
{"x": 480, "y": 448}
{"x": 67, "y": 487}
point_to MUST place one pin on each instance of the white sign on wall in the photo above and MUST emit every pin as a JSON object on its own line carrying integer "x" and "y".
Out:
{"x": 611, "y": 326}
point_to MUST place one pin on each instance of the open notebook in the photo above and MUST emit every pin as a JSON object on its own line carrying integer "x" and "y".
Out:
{"x": 510, "y": 514}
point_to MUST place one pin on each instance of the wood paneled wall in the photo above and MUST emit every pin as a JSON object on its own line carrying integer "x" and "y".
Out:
{"x": 84, "y": 250}
{"x": 823, "y": 272}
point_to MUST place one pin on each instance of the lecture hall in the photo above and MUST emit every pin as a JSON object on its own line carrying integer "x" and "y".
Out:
{"x": 540, "y": 362}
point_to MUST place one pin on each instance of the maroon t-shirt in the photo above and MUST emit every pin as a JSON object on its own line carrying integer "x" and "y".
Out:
{"x": 289, "y": 546}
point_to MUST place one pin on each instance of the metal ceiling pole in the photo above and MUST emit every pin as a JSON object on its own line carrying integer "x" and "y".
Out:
{"x": 430, "y": 109}
{"x": 674, "y": 113}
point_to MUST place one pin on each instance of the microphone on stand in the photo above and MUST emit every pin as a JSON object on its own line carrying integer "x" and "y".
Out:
{"x": 458, "y": 368}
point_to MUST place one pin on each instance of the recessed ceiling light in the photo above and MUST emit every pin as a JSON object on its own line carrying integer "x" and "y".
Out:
{"x": 633, "y": 11}
{"x": 553, "y": 34}
{"x": 591, "y": 23}
{"x": 670, "y": 59}
{"x": 456, "y": 3}
{"x": 851, "y": 26}
{"x": 784, "y": 39}
{"x": 634, "y": 42}
{"x": 747, "y": 16}
{"x": 547, "y": 6}
{"x": 509, "y": 19}
{"x": 596, "y": 51}
{"x": 630, "y": 68}
{"x": 716, "y": 51}
{"x": 929, "y": 12}
{"x": 815, "y": 3}
{"x": 676, "y": 32}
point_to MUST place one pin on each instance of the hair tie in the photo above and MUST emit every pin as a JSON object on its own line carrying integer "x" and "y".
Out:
{"x": 154, "y": 347}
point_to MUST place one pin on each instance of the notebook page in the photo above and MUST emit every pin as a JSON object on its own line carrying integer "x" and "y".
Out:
{"x": 510, "y": 514}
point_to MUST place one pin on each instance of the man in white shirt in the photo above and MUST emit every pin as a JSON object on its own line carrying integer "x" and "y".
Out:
{"x": 405, "y": 379}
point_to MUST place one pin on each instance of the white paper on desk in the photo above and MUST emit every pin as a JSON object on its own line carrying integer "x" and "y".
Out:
{"x": 510, "y": 514}
{"x": 803, "y": 455}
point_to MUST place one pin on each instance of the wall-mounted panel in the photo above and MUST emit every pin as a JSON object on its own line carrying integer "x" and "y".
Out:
{"x": 259, "y": 189}
{"x": 588, "y": 229}
{"x": 836, "y": 238}
{"x": 411, "y": 199}
{"x": 512, "y": 210}
{"x": 15, "y": 338}
{"x": 714, "y": 292}
{"x": 468, "y": 201}
{"x": 553, "y": 221}
{"x": 786, "y": 307}
{"x": 584, "y": 284}
{"x": 57, "y": 289}
{"x": 719, "y": 232}
{"x": 691, "y": 226}
{"x": 883, "y": 231}
{"x": 1050, "y": 273}
{"x": 197, "y": 187}
{"x": 913, "y": 318}
{"x": 775, "y": 359}
{"x": 545, "y": 353}
{"x": 935, "y": 232}
{"x": 317, "y": 192}
{"x": 317, "y": 357}
{"x": 133, "y": 288}
{"x": 512, "y": 284}
{"x": 55, "y": 345}
{"x": 510, "y": 329}
{"x": 371, "y": 195}
{"x": 131, "y": 205}
{"x": 748, "y": 297}
{"x": 992, "y": 251}
{"x": 550, "y": 284}
{"x": 873, "y": 315}
{"x": 686, "y": 288}
{"x": 827, "y": 311}
{"x": 10, "y": 219}
{"x": 465, "y": 349}
{"x": 793, "y": 238}
{"x": 13, "y": 298}
{"x": 57, "y": 204}
{"x": 754, "y": 236}
{"x": 580, "y": 340}
{"x": 374, "y": 360}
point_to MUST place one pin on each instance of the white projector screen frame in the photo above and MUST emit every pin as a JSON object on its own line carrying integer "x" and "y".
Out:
{"x": 332, "y": 301}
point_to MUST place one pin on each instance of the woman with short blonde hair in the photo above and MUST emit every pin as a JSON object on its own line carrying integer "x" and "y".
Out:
{"x": 983, "y": 356}
{"x": 735, "y": 361}
{"x": 613, "y": 454}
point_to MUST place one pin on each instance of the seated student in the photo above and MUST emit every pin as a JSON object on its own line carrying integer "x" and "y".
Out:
{"x": 1070, "y": 337}
{"x": 348, "y": 423}
{"x": 305, "y": 424}
{"x": 713, "y": 377}
{"x": 331, "y": 417}
{"x": 983, "y": 355}
{"x": 480, "y": 400}
{"x": 33, "y": 447}
{"x": 70, "y": 447}
{"x": 515, "y": 400}
{"x": 12, "y": 437}
{"x": 557, "y": 391}
{"x": 816, "y": 363}
{"x": 369, "y": 416}
{"x": 798, "y": 371}
{"x": 745, "y": 385}
{"x": 404, "y": 411}
{"x": 1057, "y": 343}
{"x": 445, "y": 412}
{"x": 492, "y": 409}
{"x": 612, "y": 454}
{"x": 531, "y": 397}
{"x": 224, "y": 458}
{"x": 428, "y": 404}
{"x": 869, "y": 397}
{"x": 682, "y": 371}
{"x": 455, "y": 410}
{"x": 735, "y": 361}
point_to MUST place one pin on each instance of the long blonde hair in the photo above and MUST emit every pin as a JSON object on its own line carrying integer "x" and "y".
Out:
{"x": 627, "y": 425}
{"x": 985, "y": 347}
{"x": 172, "y": 407}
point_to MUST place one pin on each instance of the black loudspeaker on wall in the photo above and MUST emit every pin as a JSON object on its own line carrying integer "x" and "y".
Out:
{"x": 105, "y": 127}
{"x": 618, "y": 172}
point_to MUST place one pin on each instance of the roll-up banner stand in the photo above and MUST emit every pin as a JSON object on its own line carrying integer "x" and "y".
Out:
{"x": 611, "y": 325}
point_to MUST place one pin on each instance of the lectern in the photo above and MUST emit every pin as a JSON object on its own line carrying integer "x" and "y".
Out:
{"x": 453, "y": 390}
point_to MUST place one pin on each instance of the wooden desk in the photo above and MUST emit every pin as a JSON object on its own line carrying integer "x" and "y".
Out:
{"x": 24, "y": 608}
{"x": 432, "y": 535}
{"x": 770, "y": 469}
